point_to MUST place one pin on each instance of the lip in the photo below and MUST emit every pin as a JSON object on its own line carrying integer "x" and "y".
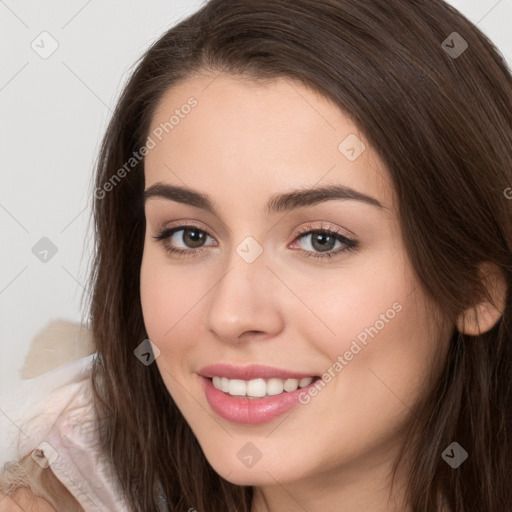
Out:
{"x": 248, "y": 411}
{"x": 252, "y": 371}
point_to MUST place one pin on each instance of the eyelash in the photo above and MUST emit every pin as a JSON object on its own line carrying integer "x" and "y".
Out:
{"x": 350, "y": 245}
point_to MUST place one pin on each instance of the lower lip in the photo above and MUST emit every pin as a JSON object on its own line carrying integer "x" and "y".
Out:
{"x": 251, "y": 411}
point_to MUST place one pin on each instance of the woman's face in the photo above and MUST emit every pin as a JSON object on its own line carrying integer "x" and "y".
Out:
{"x": 290, "y": 257}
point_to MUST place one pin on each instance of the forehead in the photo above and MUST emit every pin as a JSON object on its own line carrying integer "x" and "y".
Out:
{"x": 233, "y": 135}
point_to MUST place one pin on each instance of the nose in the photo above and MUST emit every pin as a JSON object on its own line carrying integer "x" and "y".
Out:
{"x": 243, "y": 304}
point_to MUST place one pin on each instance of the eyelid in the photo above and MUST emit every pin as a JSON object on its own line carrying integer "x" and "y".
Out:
{"x": 186, "y": 224}
{"x": 335, "y": 232}
{"x": 326, "y": 228}
{"x": 167, "y": 231}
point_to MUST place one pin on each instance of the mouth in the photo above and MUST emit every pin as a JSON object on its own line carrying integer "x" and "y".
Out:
{"x": 255, "y": 394}
{"x": 260, "y": 387}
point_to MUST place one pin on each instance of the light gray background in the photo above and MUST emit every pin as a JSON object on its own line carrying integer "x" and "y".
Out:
{"x": 53, "y": 113}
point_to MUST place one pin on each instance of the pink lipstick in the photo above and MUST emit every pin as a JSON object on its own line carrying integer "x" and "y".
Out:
{"x": 253, "y": 394}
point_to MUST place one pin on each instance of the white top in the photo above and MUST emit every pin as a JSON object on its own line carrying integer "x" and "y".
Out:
{"x": 53, "y": 414}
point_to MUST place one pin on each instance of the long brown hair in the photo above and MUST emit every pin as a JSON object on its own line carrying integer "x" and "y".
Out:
{"x": 442, "y": 124}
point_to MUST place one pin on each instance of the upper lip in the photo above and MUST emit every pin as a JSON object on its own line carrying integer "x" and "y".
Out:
{"x": 252, "y": 371}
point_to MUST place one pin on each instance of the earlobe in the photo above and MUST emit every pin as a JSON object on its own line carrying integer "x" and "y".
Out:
{"x": 484, "y": 315}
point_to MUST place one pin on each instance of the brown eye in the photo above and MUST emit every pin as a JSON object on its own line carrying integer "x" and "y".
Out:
{"x": 192, "y": 237}
{"x": 183, "y": 240}
{"x": 323, "y": 243}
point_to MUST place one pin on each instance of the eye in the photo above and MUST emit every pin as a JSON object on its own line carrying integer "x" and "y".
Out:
{"x": 313, "y": 242}
{"x": 323, "y": 242}
{"x": 183, "y": 240}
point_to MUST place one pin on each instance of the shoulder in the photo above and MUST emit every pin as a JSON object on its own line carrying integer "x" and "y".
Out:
{"x": 37, "y": 417}
{"x": 57, "y": 433}
{"x": 59, "y": 437}
{"x": 24, "y": 485}
{"x": 34, "y": 406}
{"x": 24, "y": 500}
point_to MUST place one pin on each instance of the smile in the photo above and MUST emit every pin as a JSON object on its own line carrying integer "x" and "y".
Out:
{"x": 258, "y": 388}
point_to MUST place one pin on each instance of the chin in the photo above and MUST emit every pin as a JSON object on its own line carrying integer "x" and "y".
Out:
{"x": 245, "y": 477}
{"x": 261, "y": 473}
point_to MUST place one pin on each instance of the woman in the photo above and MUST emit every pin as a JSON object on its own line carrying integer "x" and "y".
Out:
{"x": 301, "y": 204}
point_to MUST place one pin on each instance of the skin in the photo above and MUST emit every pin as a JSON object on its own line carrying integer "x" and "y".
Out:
{"x": 242, "y": 144}
{"x": 23, "y": 500}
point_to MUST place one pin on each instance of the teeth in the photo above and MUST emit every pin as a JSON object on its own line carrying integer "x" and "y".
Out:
{"x": 291, "y": 385}
{"x": 275, "y": 386}
{"x": 306, "y": 381}
{"x": 237, "y": 387}
{"x": 258, "y": 388}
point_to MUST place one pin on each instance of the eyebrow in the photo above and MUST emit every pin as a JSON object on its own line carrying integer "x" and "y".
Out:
{"x": 298, "y": 198}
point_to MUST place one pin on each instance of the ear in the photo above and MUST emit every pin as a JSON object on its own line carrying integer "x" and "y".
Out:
{"x": 482, "y": 317}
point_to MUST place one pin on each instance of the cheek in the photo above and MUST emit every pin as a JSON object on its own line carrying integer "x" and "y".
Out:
{"x": 380, "y": 341}
{"x": 353, "y": 303}
{"x": 169, "y": 299}
{"x": 168, "y": 296}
